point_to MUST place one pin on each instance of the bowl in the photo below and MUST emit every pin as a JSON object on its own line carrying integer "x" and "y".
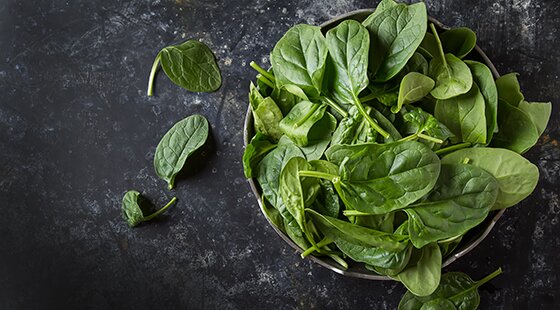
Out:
{"x": 473, "y": 238}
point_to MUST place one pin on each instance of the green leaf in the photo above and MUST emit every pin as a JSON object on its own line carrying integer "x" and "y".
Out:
{"x": 272, "y": 214}
{"x": 423, "y": 274}
{"x": 254, "y": 153}
{"x": 180, "y": 142}
{"x": 266, "y": 114}
{"x": 191, "y": 65}
{"x": 414, "y": 86}
{"x": 464, "y": 116}
{"x": 458, "y": 41}
{"x": 417, "y": 121}
{"x": 484, "y": 79}
{"x": 396, "y": 32}
{"x": 539, "y": 112}
{"x": 517, "y": 177}
{"x": 353, "y": 129}
{"x": 319, "y": 137}
{"x": 375, "y": 256}
{"x": 299, "y": 58}
{"x": 429, "y": 46}
{"x": 134, "y": 207}
{"x": 509, "y": 90}
{"x": 460, "y": 200}
{"x": 455, "y": 291}
{"x": 418, "y": 63}
{"x": 336, "y": 229}
{"x": 517, "y": 130}
{"x": 298, "y": 123}
{"x": 380, "y": 178}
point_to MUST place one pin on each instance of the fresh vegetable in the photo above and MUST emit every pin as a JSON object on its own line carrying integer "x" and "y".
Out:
{"x": 191, "y": 65}
{"x": 180, "y": 142}
{"x": 388, "y": 145}
{"x": 134, "y": 208}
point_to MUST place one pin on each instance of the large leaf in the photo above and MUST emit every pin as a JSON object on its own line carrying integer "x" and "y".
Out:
{"x": 461, "y": 199}
{"x": 517, "y": 130}
{"x": 379, "y": 178}
{"x": 423, "y": 274}
{"x": 484, "y": 79}
{"x": 464, "y": 116}
{"x": 299, "y": 58}
{"x": 396, "y": 31}
{"x": 458, "y": 41}
{"x": 517, "y": 177}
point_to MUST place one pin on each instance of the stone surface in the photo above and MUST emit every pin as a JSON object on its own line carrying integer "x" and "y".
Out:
{"x": 77, "y": 131}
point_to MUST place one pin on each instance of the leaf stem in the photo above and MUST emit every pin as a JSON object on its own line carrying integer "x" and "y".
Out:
{"x": 429, "y": 138}
{"x": 453, "y": 148}
{"x": 160, "y": 211}
{"x": 266, "y": 81}
{"x": 155, "y": 66}
{"x": 335, "y": 106}
{"x": 262, "y": 71}
{"x": 317, "y": 174}
{"x": 368, "y": 97}
{"x": 339, "y": 260}
{"x": 488, "y": 277}
{"x": 355, "y": 213}
{"x": 368, "y": 118}
{"x": 317, "y": 247}
{"x": 440, "y": 47}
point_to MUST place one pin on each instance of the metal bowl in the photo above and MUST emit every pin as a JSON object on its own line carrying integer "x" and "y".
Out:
{"x": 358, "y": 270}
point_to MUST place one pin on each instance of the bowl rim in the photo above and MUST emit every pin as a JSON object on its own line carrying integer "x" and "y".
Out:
{"x": 328, "y": 263}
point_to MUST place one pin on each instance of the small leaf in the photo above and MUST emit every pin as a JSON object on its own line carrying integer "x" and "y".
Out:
{"x": 414, "y": 86}
{"x": 134, "y": 207}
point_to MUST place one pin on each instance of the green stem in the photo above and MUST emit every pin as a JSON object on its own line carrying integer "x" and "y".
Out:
{"x": 155, "y": 66}
{"x": 317, "y": 247}
{"x": 368, "y": 118}
{"x": 317, "y": 174}
{"x": 355, "y": 213}
{"x": 453, "y": 148}
{"x": 309, "y": 114}
{"x": 339, "y": 260}
{"x": 429, "y": 138}
{"x": 160, "y": 211}
{"x": 488, "y": 277}
{"x": 262, "y": 71}
{"x": 266, "y": 81}
{"x": 368, "y": 97}
{"x": 410, "y": 138}
{"x": 440, "y": 47}
{"x": 335, "y": 106}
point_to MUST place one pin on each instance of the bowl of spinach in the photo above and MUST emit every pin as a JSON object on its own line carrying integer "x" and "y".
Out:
{"x": 385, "y": 145}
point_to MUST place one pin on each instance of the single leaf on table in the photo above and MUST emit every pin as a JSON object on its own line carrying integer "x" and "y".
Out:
{"x": 423, "y": 274}
{"x": 483, "y": 78}
{"x": 517, "y": 177}
{"x": 461, "y": 199}
{"x": 191, "y": 65}
{"x": 395, "y": 32}
{"x": 180, "y": 142}
{"x": 299, "y": 58}
{"x": 134, "y": 208}
{"x": 255, "y": 152}
{"x": 336, "y": 229}
{"x": 464, "y": 116}
{"x": 380, "y": 178}
{"x": 266, "y": 114}
{"x": 456, "y": 290}
{"x": 453, "y": 77}
{"x": 458, "y": 41}
{"x": 414, "y": 86}
{"x": 517, "y": 130}
{"x": 298, "y": 123}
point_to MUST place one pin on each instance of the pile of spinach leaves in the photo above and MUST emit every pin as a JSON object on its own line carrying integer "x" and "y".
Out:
{"x": 384, "y": 143}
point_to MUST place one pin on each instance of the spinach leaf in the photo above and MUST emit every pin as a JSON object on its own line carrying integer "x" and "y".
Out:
{"x": 375, "y": 256}
{"x": 395, "y": 33}
{"x": 266, "y": 114}
{"x": 517, "y": 177}
{"x": 424, "y": 126}
{"x": 254, "y": 153}
{"x": 460, "y": 200}
{"x": 539, "y": 112}
{"x": 429, "y": 46}
{"x": 452, "y": 76}
{"x": 458, "y": 41}
{"x": 319, "y": 137}
{"x": 298, "y": 123}
{"x": 388, "y": 125}
{"x": 353, "y": 129}
{"x": 191, "y": 65}
{"x": 272, "y": 214}
{"x": 134, "y": 207}
{"x": 455, "y": 291}
{"x": 380, "y": 178}
{"x": 517, "y": 130}
{"x": 414, "y": 86}
{"x": 418, "y": 63}
{"x": 336, "y": 229}
{"x": 509, "y": 90}
{"x": 464, "y": 116}
{"x": 423, "y": 274}
{"x": 185, "y": 137}
{"x": 447, "y": 246}
{"x": 299, "y": 58}
{"x": 483, "y": 78}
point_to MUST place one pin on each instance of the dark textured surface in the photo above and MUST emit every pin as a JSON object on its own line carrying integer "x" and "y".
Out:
{"x": 77, "y": 131}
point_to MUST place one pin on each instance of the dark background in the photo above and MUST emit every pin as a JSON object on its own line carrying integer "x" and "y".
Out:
{"x": 77, "y": 130}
